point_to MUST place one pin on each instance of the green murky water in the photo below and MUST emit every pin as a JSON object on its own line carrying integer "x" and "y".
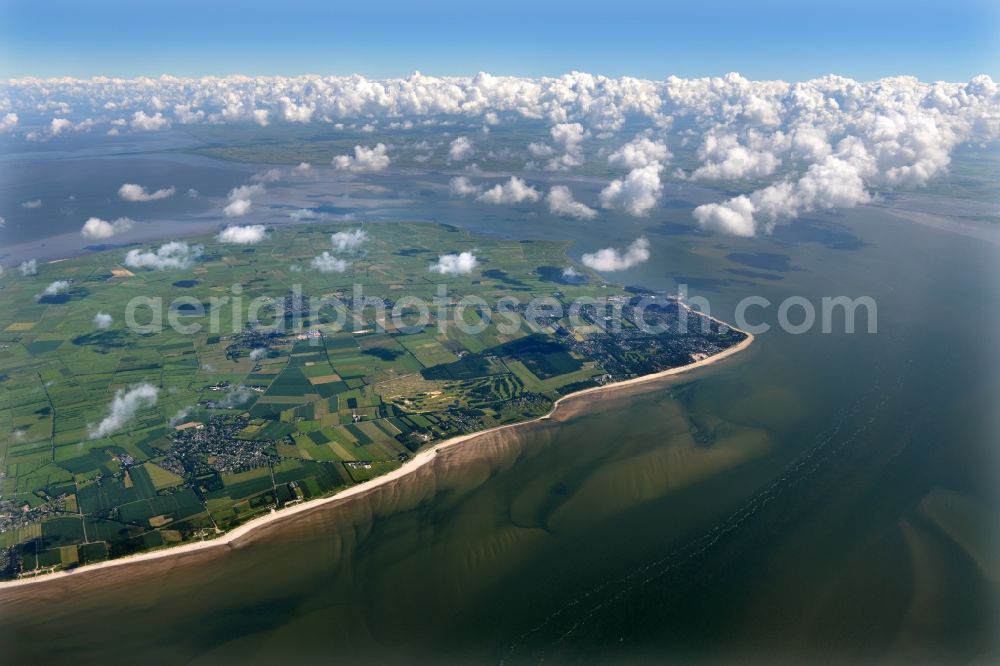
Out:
{"x": 816, "y": 495}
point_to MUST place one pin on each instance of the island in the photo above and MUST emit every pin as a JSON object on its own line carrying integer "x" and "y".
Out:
{"x": 174, "y": 393}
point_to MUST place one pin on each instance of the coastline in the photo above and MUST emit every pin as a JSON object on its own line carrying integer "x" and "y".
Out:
{"x": 227, "y": 539}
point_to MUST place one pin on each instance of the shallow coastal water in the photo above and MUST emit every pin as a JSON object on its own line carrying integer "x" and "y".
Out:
{"x": 815, "y": 495}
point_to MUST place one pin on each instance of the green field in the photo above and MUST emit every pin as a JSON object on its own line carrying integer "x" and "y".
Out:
{"x": 299, "y": 419}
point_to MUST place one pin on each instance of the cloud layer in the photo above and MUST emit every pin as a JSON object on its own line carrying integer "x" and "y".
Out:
{"x": 789, "y": 148}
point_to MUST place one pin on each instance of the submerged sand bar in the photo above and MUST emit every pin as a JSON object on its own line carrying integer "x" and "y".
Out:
{"x": 424, "y": 457}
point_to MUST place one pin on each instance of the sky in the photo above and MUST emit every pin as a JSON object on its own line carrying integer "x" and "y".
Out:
{"x": 951, "y": 41}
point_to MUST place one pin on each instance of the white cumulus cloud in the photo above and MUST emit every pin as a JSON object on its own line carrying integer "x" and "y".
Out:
{"x": 569, "y": 137}
{"x": 97, "y": 229}
{"x": 455, "y": 264}
{"x": 55, "y": 288}
{"x": 561, "y": 202}
{"x": 328, "y": 263}
{"x": 242, "y": 235}
{"x": 141, "y": 121}
{"x": 172, "y": 255}
{"x": 348, "y": 241}
{"x": 237, "y": 208}
{"x": 102, "y": 321}
{"x": 123, "y": 408}
{"x": 364, "y": 160}
{"x": 8, "y": 122}
{"x": 639, "y": 152}
{"x": 133, "y": 192}
{"x": 461, "y": 149}
{"x": 235, "y": 397}
{"x": 725, "y": 158}
{"x": 611, "y": 259}
{"x": 513, "y": 191}
{"x": 732, "y": 217}
{"x": 461, "y": 186}
{"x": 28, "y": 267}
{"x": 637, "y": 193}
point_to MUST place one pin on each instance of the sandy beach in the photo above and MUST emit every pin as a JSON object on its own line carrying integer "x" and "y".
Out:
{"x": 233, "y": 536}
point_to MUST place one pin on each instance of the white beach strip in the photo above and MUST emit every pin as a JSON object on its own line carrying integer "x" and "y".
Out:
{"x": 418, "y": 461}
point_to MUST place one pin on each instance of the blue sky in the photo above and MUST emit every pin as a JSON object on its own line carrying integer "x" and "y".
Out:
{"x": 379, "y": 38}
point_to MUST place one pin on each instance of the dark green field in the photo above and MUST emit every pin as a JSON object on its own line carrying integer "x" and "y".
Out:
{"x": 246, "y": 418}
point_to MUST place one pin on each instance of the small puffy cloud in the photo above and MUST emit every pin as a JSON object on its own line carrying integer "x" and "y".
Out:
{"x": 123, "y": 408}
{"x": 55, "y": 288}
{"x": 455, "y": 264}
{"x": 28, "y": 268}
{"x": 181, "y": 415}
{"x": 328, "y": 263}
{"x": 569, "y": 137}
{"x": 513, "y": 191}
{"x": 258, "y": 353}
{"x": 540, "y": 149}
{"x": 364, "y": 160}
{"x": 133, "y": 192}
{"x": 637, "y": 193}
{"x": 639, "y": 152}
{"x": 348, "y": 241}
{"x": 237, "y": 396}
{"x": 34, "y": 203}
{"x": 269, "y": 176}
{"x": 611, "y": 259}
{"x": 141, "y": 121}
{"x": 59, "y": 125}
{"x": 242, "y": 235}
{"x": 237, "y": 208}
{"x": 240, "y": 201}
{"x": 97, "y": 229}
{"x": 732, "y": 217}
{"x": 461, "y": 149}
{"x": 461, "y": 186}
{"x": 303, "y": 167}
{"x": 102, "y": 321}
{"x": 570, "y": 272}
{"x": 561, "y": 202}
{"x": 246, "y": 191}
{"x": 8, "y": 122}
{"x": 3, "y": 222}
{"x": 172, "y": 255}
